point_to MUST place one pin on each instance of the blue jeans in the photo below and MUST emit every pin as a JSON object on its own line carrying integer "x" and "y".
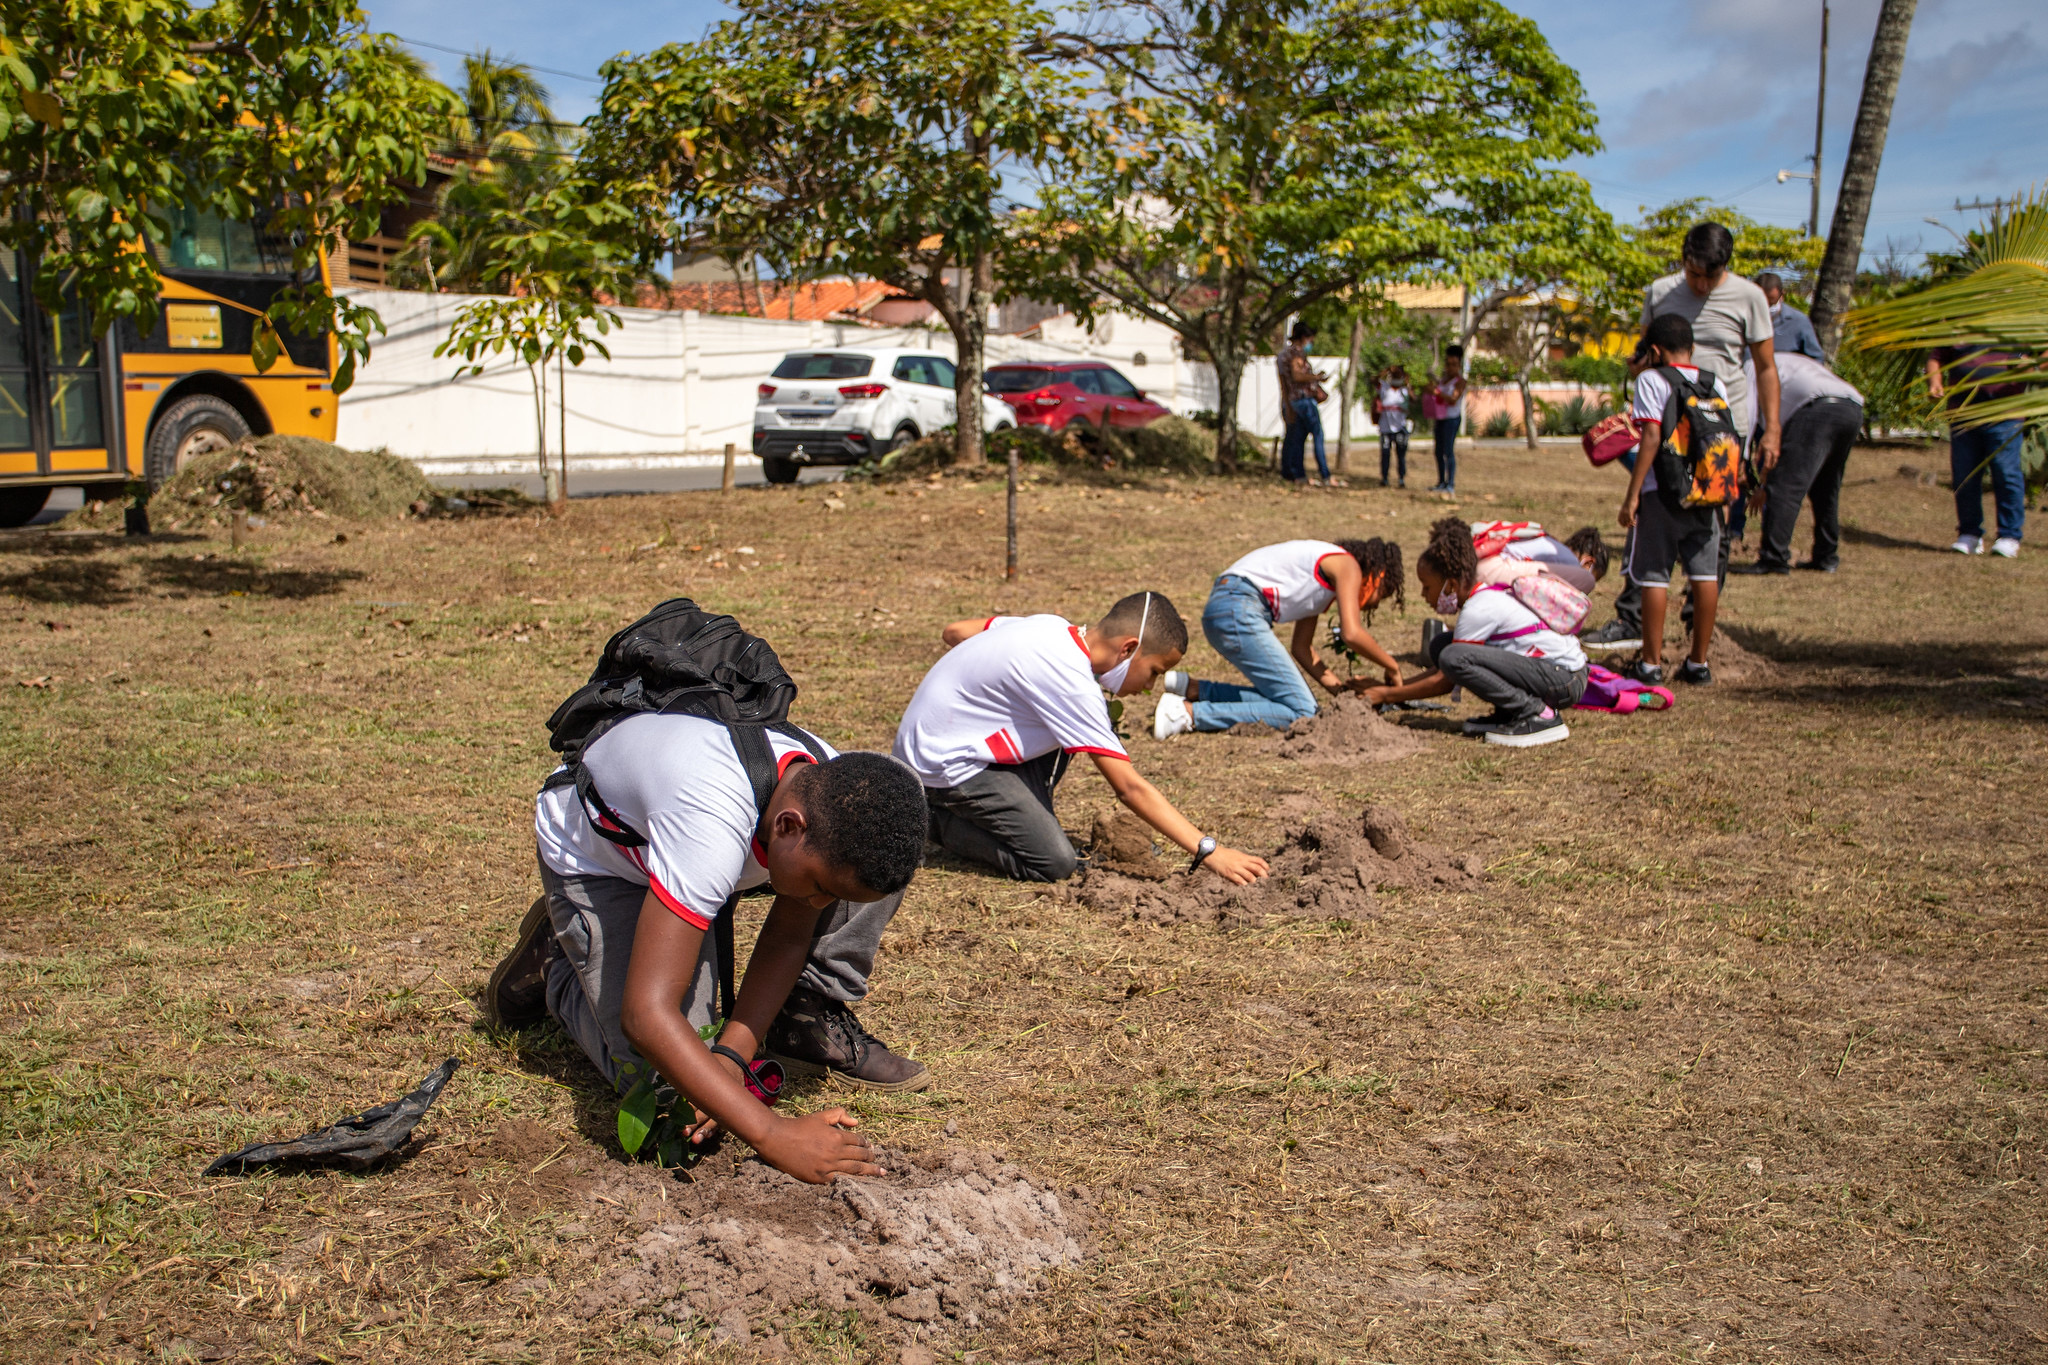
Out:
{"x": 1998, "y": 443}
{"x": 1240, "y": 628}
{"x": 1304, "y": 419}
{"x": 1447, "y": 452}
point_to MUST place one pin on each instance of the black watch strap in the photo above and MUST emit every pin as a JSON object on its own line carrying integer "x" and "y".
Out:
{"x": 1203, "y": 849}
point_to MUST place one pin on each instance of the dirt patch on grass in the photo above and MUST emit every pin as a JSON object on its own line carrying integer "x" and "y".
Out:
{"x": 1122, "y": 843}
{"x": 1348, "y": 730}
{"x": 945, "y": 1238}
{"x": 1326, "y": 868}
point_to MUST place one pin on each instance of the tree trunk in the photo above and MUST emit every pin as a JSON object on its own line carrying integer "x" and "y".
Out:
{"x": 1528, "y": 411}
{"x": 1349, "y": 390}
{"x": 562, "y": 407}
{"x": 1834, "y": 290}
{"x": 970, "y": 339}
{"x": 1229, "y": 366}
{"x": 550, "y": 476}
{"x": 1010, "y": 557}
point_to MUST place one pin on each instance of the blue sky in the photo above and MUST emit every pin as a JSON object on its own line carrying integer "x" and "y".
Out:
{"x": 1694, "y": 99}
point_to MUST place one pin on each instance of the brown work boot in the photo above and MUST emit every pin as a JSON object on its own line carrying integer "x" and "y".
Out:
{"x": 818, "y": 1036}
{"x": 518, "y": 991}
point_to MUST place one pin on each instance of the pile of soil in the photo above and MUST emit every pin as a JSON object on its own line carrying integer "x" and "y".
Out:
{"x": 1348, "y": 730}
{"x": 945, "y": 1238}
{"x": 1325, "y": 868}
{"x": 1122, "y": 843}
{"x": 1736, "y": 665}
{"x": 286, "y": 476}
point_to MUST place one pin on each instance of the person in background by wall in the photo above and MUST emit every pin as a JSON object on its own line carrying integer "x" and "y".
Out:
{"x": 1447, "y": 411}
{"x": 1390, "y": 410}
{"x": 1823, "y": 415}
{"x": 1301, "y": 393}
{"x": 1973, "y": 449}
{"x": 1791, "y": 330}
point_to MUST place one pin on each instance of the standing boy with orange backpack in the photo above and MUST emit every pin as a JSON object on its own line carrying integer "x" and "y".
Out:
{"x": 1690, "y": 467}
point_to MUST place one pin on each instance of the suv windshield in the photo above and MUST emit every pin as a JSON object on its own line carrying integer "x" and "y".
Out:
{"x": 1021, "y": 380}
{"x": 823, "y": 365}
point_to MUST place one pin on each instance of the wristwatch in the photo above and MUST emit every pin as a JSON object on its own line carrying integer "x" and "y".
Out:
{"x": 1203, "y": 850}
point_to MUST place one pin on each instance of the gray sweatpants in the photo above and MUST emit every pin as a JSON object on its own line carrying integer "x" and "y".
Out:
{"x": 1517, "y": 685}
{"x": 1002, "y": 818}
{"x": 595, "y": 918}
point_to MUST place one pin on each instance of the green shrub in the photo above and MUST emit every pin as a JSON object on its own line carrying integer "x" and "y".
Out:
{"x": 1574, "y": 417}
{"x": 1498, "y": 425}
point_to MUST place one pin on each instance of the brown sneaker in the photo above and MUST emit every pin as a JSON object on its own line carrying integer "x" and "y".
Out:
{"x": 518, "y": 991}
{"x": 818, "y": 1036}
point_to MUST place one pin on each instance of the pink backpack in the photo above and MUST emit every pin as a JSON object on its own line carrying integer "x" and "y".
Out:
{"x": 1607, "y": 690}
{"x": 1557, "y": 604}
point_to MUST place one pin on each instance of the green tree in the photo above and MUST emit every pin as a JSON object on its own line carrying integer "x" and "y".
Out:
{"x": 281, "y": 112}
{"x": 1271, "y": 154}
{"x": 881, "y": 138}
{"x": 1649, "y": 249}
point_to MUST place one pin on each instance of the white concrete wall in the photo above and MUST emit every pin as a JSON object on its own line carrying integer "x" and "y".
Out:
{"x": 679, "y": 385}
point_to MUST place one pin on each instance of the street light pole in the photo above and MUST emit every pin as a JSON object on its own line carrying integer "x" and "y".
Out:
{"x": 1820, "y": 121}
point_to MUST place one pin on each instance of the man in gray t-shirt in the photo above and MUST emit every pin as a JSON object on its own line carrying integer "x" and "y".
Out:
{"x": 1729, "y": 315}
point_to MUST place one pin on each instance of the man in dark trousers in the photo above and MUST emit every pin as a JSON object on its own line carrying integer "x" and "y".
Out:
{"x": 1823, "y": 415}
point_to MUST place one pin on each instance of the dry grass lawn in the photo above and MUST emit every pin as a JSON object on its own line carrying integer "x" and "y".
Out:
{"x": 1737, "y": 1055}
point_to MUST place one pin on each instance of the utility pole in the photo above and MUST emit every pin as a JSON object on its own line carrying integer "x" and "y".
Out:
{"x": 1996, "y": 207}
{"x": 1820, "y": 121}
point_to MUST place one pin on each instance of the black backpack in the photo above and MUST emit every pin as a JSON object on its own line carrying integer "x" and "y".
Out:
{"x": 681, "y": 660}
{"x": 1699, "y": 463}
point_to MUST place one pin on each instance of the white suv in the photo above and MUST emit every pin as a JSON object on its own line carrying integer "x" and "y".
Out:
{"x": 849, "y": 404}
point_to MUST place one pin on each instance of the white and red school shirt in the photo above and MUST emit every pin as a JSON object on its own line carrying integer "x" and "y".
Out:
{"x": 1020, "y": 689}
{"x": 1493, "y": 615}
{"x": 1290, "y": 577}
{"x": 678, "y": 782}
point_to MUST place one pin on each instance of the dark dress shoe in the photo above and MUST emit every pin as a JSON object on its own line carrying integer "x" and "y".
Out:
{"x": 1750, "y": 570}
{"x": 1813, "y": 567}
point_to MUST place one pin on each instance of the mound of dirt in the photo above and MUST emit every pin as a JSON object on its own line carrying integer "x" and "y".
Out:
{"x": 1122, "y": 843}
{"x": 1736, "y": 665}
{"x": 1326, "y": 868}
{"x": 945, "y": 1238}
{"x": 1348, "y": 730}
{"x": 282, "y": 476}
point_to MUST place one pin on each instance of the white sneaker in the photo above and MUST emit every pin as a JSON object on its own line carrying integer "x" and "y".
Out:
{"x": 2006, "y": 547}
{"x": 1172, "y": 718}
{"x": 1175, "y": 681}
{"x": 1968, "y": 545}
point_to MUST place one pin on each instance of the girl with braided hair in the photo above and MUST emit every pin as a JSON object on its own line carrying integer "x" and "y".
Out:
{"x": 1293, "y": 582}
{"x": 1499, "y": 649}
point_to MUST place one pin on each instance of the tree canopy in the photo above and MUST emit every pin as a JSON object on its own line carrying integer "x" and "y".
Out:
{"x": 282, "y": 113}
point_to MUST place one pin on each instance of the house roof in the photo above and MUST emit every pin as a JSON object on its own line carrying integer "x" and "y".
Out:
{"x": 819, "y": 301}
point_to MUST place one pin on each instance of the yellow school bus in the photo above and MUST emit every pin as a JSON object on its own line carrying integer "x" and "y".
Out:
{"x": 103, "y": 408}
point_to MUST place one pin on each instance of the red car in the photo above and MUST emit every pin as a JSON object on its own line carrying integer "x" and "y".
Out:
{"x": 1055, "y": 394}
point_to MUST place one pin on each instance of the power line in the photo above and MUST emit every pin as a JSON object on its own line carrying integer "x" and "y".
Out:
{"x": 467, "y": 52}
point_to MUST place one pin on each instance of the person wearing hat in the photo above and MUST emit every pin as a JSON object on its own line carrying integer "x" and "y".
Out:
{"x": 1301, "y": 393}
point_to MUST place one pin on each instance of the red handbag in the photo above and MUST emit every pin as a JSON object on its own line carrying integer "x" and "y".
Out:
{"x": 1611, "y": 438}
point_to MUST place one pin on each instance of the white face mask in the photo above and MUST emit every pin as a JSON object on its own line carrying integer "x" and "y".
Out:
{"x": 1446, "y": 603}
{"x": 1112, "y": 682}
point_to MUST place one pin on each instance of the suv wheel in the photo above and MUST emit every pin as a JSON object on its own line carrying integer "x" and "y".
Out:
{"x": 187, "y": 429}
{"x": 904, "y": 436}
{"x": 779, "y": 470}
{"x": 20, "y": 506}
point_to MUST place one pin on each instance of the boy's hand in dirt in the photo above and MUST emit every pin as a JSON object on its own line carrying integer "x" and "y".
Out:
{"x": 816, "y": 1147}
{"x": 1239, "y": 869}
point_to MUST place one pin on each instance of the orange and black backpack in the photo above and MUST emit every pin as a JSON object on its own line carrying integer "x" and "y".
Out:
{"x": 1700, "y": 461}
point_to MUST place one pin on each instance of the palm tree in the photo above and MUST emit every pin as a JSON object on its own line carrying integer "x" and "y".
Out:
{"x": 1836, "y": 285}
{"x": 2000, "y": 303}
{"x": 505, "y": 111}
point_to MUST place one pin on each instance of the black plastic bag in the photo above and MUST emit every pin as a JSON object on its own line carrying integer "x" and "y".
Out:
{"x": 358, "y": 1141}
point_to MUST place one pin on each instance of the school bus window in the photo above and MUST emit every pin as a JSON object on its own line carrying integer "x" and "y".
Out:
{"x": 205, "y": 241}
{"x": 75, "y": 410}
{"x": 14, "y": 428}
{"x": 69, "y": 332}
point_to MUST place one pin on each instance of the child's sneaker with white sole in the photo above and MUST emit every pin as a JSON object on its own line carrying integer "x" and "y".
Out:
{"x": 1545, "y": 727}
{"x": 1172, "y": 718}
{"x": 2006, "y": 547}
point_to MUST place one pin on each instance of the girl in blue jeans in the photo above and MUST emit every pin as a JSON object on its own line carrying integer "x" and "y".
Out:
{"x": 1292, "y": 582}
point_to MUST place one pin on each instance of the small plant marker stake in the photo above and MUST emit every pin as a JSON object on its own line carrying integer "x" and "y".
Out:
{"x": 1010, "y": 564}
{"x": 725, "y": 482}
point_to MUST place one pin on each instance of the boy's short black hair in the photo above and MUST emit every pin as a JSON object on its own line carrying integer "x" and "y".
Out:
{"x": 1381, "y": 557}
{"x": 866, "y": 812}
{"x": 1450, "y": 552}
{"x": 1165, "y": 632}
{"x": 1768, "y": 280}
{"x": 1301, "y": 329}
{"x": 1670, "y": 333}
{"x": 1586, "y": 541}
{"x": 1458, "y": 351}
{"x": 1709, "y": 246}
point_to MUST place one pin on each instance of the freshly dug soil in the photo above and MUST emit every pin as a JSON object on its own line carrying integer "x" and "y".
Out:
{"x": 1122, "y": 843}
{"x": 939, "y": 1242}
{"x": 286, "y": 476}
{"x": 1326, "y": 868}
{"x": 1736, "y": 665}
{"x": 1348, "y": 730}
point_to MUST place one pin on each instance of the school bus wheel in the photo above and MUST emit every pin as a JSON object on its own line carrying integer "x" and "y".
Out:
{"x": 189, "y": 428}
{"x": 20, "y": 506}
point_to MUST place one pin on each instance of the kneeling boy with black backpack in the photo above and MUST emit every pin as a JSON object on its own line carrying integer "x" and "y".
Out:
{"x": 683, "y": 784}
